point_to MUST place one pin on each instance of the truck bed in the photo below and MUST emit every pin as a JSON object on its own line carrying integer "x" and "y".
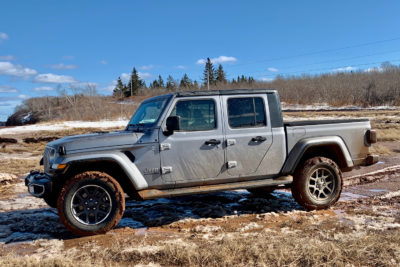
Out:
{"x": 351, "y": 131}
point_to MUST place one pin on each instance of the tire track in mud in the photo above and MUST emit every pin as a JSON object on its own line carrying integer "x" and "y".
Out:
{"x": 371, "y": 177}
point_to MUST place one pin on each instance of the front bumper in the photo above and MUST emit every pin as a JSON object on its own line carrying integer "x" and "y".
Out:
{"x": 38, "y": 183}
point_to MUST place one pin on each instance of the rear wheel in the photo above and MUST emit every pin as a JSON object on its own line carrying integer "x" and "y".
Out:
{"x": 317, "y": 183}
{"x": 91, "y": 203}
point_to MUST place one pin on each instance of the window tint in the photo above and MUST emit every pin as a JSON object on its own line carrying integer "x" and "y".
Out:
{"x": 246, "y": 112}
{"x": 196, "y": 115}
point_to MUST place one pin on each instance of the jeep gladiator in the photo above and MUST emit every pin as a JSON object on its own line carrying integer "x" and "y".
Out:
{"x": 197, "y": 142}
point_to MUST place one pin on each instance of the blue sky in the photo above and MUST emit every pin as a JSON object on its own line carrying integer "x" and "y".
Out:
{"x": 50, "y": 44}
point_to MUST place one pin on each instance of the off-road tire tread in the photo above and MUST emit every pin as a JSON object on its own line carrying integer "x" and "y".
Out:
{"x": 119, "y": 195}
{"x": 300, "y": 176}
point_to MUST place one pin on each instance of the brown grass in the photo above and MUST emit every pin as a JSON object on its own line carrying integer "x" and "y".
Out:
{"x": 389, "y": 135}
{"x": 335, "y": 244}
{"x": 19, "y": 166}
{"x": 380, "y": 150}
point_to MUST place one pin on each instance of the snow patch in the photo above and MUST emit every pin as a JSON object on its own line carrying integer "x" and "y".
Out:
{"x": 206, "y": 229}
{"x": 58, "y": 126}
{"x": 391, "y": 195}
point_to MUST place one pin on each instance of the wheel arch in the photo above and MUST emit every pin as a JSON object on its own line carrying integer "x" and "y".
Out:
{"x": 332, "y": 147}
{"x": 121, "y": 169}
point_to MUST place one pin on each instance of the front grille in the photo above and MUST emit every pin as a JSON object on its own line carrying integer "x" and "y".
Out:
{"x": 46, "y": 159}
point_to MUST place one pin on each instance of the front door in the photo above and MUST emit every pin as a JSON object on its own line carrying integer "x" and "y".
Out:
{"x": 195, "y": 152}
{"x": 248, "y": 133}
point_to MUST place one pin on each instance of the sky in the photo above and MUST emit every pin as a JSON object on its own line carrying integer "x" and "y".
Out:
{"x": 47, "y": 45}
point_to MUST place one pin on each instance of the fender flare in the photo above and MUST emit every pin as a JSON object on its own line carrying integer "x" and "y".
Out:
{"x": 135, "y": 176}
{"x": 303, "y": 145}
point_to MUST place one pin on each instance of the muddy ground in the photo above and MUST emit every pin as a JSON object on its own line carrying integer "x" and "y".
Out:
{"x": 217, "y": 229}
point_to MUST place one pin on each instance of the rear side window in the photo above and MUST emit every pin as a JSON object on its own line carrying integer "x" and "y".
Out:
{"x": 246, "y": 112}
{"x": 196, "y": 115}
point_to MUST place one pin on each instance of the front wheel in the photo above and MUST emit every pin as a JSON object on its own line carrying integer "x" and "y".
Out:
{"x": 91, "y": 203}
{"x": 317, "y": 183}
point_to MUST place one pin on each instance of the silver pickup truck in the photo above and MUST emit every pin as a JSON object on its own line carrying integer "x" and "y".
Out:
{"x": 197, "y": 142}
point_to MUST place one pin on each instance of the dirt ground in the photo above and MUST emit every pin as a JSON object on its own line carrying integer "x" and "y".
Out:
{"x": 218, "y": 229}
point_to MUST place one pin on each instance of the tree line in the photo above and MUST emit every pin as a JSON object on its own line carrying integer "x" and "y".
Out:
{"x": 211, "y": 77}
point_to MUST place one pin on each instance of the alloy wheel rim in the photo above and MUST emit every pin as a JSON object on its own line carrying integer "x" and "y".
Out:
{"x": 322, "y": 184}
{"x": 91, "y": 204}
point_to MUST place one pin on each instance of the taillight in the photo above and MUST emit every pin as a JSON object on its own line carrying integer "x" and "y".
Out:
{"x": 371, "y": 136}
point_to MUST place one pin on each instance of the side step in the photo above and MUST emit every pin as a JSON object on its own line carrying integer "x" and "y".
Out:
{"x": 156, "y": 193}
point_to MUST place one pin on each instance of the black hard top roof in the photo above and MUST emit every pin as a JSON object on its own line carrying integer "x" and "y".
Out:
{"x": 225, "y": 92}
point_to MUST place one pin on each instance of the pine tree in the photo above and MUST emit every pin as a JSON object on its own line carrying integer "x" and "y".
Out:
{"x": 171, "y": 85}
{"x": 209, "y": 73}
{"x": 154, "y": 84}
{"x": 196, "y": 85}
{"x": 134, "y": 83}
{"x": 160, "y": 82}
{"x": 221, "y": 76}
{"x": 185, "y": 82}
{"x": 120, "y": 88}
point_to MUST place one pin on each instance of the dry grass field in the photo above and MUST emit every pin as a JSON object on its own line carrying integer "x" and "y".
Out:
{"x": 220, "y": 229}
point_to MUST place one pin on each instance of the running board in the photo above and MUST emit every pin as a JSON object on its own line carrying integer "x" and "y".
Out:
{"x": 156, "y": 193}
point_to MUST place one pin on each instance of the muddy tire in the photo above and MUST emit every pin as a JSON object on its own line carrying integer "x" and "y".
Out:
{"x": 262, "y": 191}
{"x": 51, "y": 200}
{"x": 317, "y": 183}
{"x": 91, "y": 203}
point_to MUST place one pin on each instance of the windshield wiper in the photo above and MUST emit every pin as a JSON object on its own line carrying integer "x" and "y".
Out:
{"x": 137, "y": 127}
{"x": 137, "y": 124}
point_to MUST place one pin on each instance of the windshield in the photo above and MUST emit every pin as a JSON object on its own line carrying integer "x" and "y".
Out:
{"x": 148, "y": 112}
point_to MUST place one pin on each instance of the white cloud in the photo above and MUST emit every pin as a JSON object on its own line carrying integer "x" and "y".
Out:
{"x": 53, "y": 78}
{"x": 180, "y": 67}
{"x": 104, "y": 62}
{"x": 68, "y": 57}
{"x": 8, "y": 57}
{"x": 147, "y": 67}
{"x": 3, "y": 36}
{"x": 43, "y": 88}
{"x": 124, "y": 77}
{"x": 144, "y": 75}
{"x": 23, "y": 96}
{"x": 62, "y": 66}
{"x": 273, "y": 69}
{"x": 218, "y": 60}
{"x": 8, "y": 89}
{"x": 374, "y": 69}
{"x": 109, "y": 88}
{"x": 344, "y": 69}
{"x": 84, "y": 84}
{"x": 7, "y": 68}
{"x": 263, "y": 79}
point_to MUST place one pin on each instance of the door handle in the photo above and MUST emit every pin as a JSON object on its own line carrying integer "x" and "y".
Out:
{"x": 212, "y": 142}
{"x": 258, "y": 139}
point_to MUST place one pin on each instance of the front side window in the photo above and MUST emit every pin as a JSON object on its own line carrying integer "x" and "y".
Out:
{"x": 246, "y": 112}
{"x": 196, "y": 115}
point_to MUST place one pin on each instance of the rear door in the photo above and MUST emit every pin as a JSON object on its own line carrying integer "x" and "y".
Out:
{"x": 248, "y": 132}
{"x": 195, "y": 152}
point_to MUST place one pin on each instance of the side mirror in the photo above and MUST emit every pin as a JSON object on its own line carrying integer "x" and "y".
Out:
{"x": 173, "y": 124}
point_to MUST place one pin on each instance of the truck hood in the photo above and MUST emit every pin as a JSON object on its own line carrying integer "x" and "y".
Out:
{"x": 97, "y": 141}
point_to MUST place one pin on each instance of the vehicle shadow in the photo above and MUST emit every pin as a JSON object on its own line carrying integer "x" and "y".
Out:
{"x": 34, "y": 224}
